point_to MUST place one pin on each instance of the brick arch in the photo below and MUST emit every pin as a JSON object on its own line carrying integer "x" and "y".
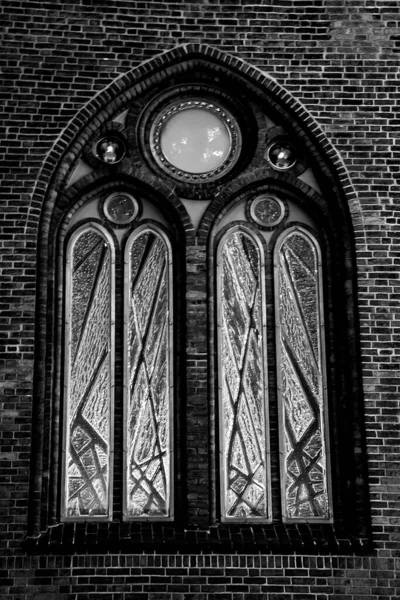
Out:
{"x": 53, "y": 178}
{"x": 132, "y": 84}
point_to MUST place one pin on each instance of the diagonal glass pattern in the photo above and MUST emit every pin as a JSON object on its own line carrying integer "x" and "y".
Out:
{"x": 243, "y": 437}
{"x": 88, "y": 377}
{"x": 148, "y": 433}
{"x": 305, "y": 485}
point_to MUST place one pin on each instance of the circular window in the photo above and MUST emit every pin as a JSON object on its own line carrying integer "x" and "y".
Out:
{"x": 267, "y": 211}
{"x": 195, "y": 140}
{"x": 120, "y": 208}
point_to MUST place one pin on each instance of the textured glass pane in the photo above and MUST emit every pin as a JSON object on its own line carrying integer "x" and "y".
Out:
{"x": 88, "y": 377}
{"x": 195, "y": 140}
{"x": 242, "y": 401}
{"x": 300, "y": 359}
{"x": 149, "y": 402}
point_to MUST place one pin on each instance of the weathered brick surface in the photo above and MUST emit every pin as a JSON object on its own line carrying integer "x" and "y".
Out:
{"x": 340, "y": 60}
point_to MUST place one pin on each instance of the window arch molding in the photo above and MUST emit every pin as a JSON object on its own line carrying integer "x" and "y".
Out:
{"x": 58, "y": 178}
{"x": 170, "y": 65}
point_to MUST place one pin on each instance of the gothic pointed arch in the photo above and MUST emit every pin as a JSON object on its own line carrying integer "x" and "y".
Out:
{"x": 122, "y": 166}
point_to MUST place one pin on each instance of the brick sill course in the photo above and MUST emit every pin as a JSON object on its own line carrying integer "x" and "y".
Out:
{"x": 111, "y": 538}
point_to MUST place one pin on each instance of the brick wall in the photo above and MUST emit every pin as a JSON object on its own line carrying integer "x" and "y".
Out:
{"x": 340, "y": 60}
{"x": 199, "y": 577}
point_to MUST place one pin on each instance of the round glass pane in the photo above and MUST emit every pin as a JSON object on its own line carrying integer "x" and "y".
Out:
{"x": 120, "y": 208}
{"x": 195, "y": 140}
{"x": 267, "y": 210}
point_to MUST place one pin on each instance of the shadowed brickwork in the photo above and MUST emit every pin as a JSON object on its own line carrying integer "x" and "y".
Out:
{"x": 64, "y": 68}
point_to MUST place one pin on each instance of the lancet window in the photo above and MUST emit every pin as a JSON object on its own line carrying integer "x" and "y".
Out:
{"x": 243, "y": 337}
{"x": 93, "y": 307}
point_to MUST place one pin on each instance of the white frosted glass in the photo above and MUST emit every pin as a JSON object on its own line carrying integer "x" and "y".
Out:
{"x": 195, "y": 140}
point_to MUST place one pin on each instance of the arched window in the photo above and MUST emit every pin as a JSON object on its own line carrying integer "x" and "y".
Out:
{"x": 148, "y": 354}
{"x": 243, "y": 399}
{"x": 245, "y": 332}
{"x": 301, "y": 374}
{"x": 89, "y": 375}
{"x": 117, "y": 279}
{"x": 196, "y": 258}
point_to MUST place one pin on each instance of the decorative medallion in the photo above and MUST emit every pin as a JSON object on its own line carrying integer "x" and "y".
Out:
{"x": 195, "y": 141}
{"x": 267, "y": 211}
{"x": 110, "y": 149}
{"x": 281, "y": 156}
{"x": 120, "y": 208}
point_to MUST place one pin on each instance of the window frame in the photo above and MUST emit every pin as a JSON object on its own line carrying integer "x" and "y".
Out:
{"x": 242, "y": 228}
{"x": 69, "y": 247}
{"x": 119, "y": 247}
{"x": 338, "y": 207}
{"x": 300, "y": 212}
{"x": 279, "y": 242}
{"x": 141, "y": 229}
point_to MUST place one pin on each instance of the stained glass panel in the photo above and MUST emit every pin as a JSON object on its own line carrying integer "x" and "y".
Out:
{"x": 243, "y": 437}
{"x": 88, "y": 377}
{"x": 305, "y": 484}
{"x": 148, "y": 434}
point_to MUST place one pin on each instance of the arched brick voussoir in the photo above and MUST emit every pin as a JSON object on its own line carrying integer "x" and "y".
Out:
{"x": 145, "y": 185}
{"x": 123, "y": 90}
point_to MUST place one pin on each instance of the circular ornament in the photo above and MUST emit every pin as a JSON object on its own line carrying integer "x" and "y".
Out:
{"x": 281, "y": 155}
{"x": 120, "y": 208}
{"x": 195, "y": 141}
{"x": 110, "y": 149}
{"x": 267, "y": 211}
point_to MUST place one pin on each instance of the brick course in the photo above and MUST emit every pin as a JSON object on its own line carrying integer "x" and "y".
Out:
{"x": 339, "y": 60}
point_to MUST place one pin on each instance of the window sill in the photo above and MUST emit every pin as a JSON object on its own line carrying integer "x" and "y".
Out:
{"x": 111, "y": 538}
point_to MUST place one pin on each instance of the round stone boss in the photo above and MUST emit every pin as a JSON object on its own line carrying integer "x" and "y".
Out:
{"x": 195, "y": 140}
